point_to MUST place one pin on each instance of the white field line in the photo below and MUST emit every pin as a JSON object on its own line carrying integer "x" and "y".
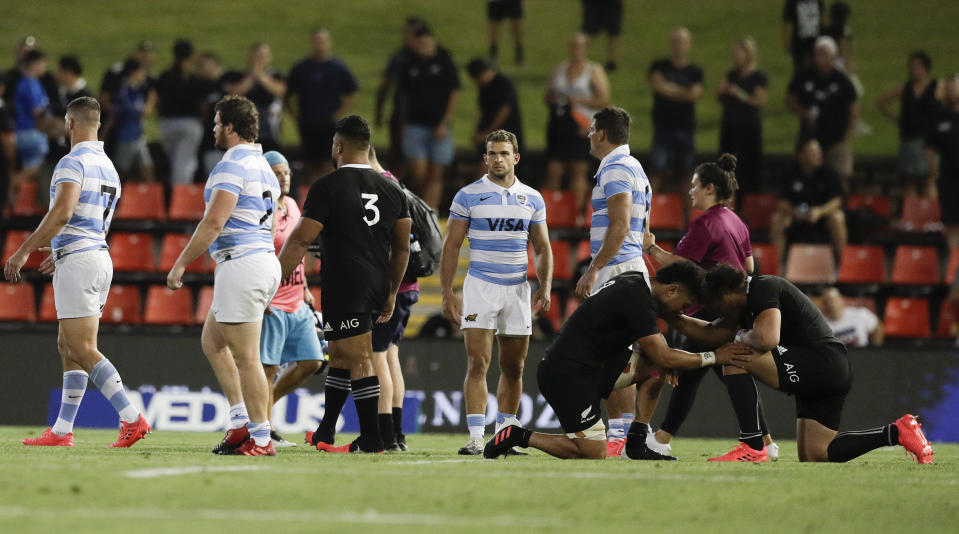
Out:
{"x": 190, "y": 470}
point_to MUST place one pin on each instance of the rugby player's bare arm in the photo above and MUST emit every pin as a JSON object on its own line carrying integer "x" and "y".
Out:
{"x": 452, "y": 242}
{"x": 214, "y": 219}
{"x": 714, "y": 334}
{"x": 543, "y": 262}
{"x": 65, "y": 198}
{"x": 296, "y": 245}
{"x": 655, "y": 348}
{"x": 399, "y": 252}
{"x": 764, "y": 335}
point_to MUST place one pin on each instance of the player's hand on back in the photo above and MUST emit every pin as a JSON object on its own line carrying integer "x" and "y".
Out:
{"x": 737, "y": 354}
{"x": 541, "y": 301}
{"x": 453, "y": 307}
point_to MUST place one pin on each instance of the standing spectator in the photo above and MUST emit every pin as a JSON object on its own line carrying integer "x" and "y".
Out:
{"x": 71, "y": 82}
{"x": 600, "y": 15}
{"x": 32, "y": 108}
{"x": 8, "y": 148}
{"x": 213, "y": 81}
{"x": 943, "y": 141}
{"x": 802, "y": 23}
{"x": 827, "y": 106}
{"x": 430, "y": 87}
{"x": 132, "y": 102}
{"x": 855, "y": 326}
{"x": 179, "y": 102}
{"x": 498, "y": 104}
{"x": 917, "y": 106}
{"x": 497, "y": 11}
{"x": 810, "y": 195}
{"x": 49, "y": 83}
{"x": 576, "y": 91}
{"x": 265, "y": 88}
{"x": 325, "y": 91}
{"x": 677, "y": 84}
{"x": 743, "y": 94}
{"x": 110, "y": 84}
{"x": 395, "y": 65}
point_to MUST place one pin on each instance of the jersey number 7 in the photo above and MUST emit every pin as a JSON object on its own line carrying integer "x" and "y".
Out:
{"x": 112, "y": 193}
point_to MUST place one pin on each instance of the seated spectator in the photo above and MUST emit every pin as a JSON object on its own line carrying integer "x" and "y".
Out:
{"x": 265, "y": 88}
{"x": 498, "y": 104}
{"x": 131, "y": 103}
{"x": 810, "y": 196}
{"x": 855, "y": 326}
{"x": 32, "y": 110}
{"x": 179, "y": 103}
{"x": 942, "y": 157}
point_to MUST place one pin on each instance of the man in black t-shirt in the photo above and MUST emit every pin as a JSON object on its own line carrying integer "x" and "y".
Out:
{"x": 364, "y": 221}
{"x": 498, "y": 104}
{"x": 265, "y": 87}
{"x": 591, "y": 357}
{"x": 677, "y": 84}
{"x": 792, "y": 349}
{"x": 810, "y": 195}
{"x": 942, "y": 155}
{"x": 395, "y": 65}
{"x": 802, "y": 23}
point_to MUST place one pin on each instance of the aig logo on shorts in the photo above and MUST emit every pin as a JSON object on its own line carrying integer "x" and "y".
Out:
{"x": 344, "y": 325}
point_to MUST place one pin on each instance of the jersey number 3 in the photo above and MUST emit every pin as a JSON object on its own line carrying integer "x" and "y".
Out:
{"x": 371, "y": 206}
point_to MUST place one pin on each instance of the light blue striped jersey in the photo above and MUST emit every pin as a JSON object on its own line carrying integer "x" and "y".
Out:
{"x": 244, "y": 172}
{"x": 619, "y": 172}
{"x": 89, "y": 167}
{"x": 499, "y": 221}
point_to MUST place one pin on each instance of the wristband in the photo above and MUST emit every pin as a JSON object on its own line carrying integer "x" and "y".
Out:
{"x": 708, "y": 357}
{"x": 649, "y": 249}
{"x": 740, "y": 335}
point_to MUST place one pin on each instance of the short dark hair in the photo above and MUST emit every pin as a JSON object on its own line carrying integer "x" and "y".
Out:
{"x": 242, "y": 114}
{"x": 84, "y": 109}
{"x": 72, "y": 64}
{"x": 722, "y": 175}
{"x": 615, "y": 122}
{"x": 182, "y": 49}
{"x": 423, "y": 30}
{"x": 503, "y": 136}
{"x": 478, "y": 66}
{"x": 130, "y": 66}
{"x": 354, "y": 129}
{"x": 922, "y": 57}
{"x": 685, "y": 273}
{"x": 33, "y": 56}
{"x": 721, "y": 280}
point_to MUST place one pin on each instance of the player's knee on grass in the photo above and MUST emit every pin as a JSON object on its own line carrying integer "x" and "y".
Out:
{"x": 591, "y": 442}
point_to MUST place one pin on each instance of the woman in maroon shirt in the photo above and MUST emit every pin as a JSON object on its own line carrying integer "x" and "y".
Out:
{"x": 716, "y": 236}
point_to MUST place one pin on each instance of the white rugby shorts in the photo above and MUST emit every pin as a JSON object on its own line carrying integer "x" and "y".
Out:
{"x": 506, "y": 309}
{"x": 611, "y": 271}
{"x": 243, "y": 287}
{"x": 81, "y": 283}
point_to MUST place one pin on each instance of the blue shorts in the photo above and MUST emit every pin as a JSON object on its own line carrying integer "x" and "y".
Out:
{"x": 32, "y": 146}
{"x": 289, "y": 337}
{"x": 419, "y": 143}
{"x": 391, "y": 332}
{"x": 678, "y": 144}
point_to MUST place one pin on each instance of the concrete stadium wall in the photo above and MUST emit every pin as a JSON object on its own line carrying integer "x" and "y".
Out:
{"x": 170, "y": 379}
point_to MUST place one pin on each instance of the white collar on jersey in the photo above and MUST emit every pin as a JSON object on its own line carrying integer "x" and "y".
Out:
{"x": 621, "y": 149}
{"x": 356, "y": 166}
{"x": 93, "y": 144}
{"x": 511, "y": 189}
{"x": 244, "y": 146}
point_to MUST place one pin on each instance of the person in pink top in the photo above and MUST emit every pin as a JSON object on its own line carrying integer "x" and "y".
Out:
{"x": 715, "y": 237}
{"x": 289, "y": 326}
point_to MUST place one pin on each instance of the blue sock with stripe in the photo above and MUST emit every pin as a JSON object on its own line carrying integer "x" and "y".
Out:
{"x": 238, "y": 415}
{"x": 502, "y": 419}
{"x": 107, "y": 380}
{"x": 74, "y": 385}
{"x": 476, "y": 423}
{"x": 260, "y": 432}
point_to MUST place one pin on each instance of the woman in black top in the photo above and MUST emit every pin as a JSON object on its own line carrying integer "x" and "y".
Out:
{"x": 742, "y": 94}
{"x": 917, "y": 104}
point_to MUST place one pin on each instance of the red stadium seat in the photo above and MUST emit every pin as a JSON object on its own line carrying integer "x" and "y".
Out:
{"x": 165, "y": 306}
{"x": 560, "y": 208}
{"x": 170, "y": 250}
{"x": 862, "y": 302}
{"x": 186, "y": 202}
{"x": 582, "y": 251}
{"x": 878, "y": 204}
{"x": 14, "y": 239}
{"x": 588, "y": 214}
{"x": 552, "y": 315}
{"x": 766, "y": 257}
{"x": 948, "y": 320}
{"x": 915, "y": 265}
{"x": 906, "y": 317}
{"x": 562, "y": 269}
{"x": 123, "y": 305}
{"x": 758, "y": 209}
{"x": 48, "y": 306}
{"x": 666, "y": 212}
{"x": 862, "y": 264}
{"x": 317, "y": 294}
{"x": 132, "y": 251}
{"x": 203, "y": 302}
{"x": 693, "y": 214}
{"x": 26, "y": 204}
{"x": 571, "y": 304}
{"x": 142, "y": 202}
{"x": 952, "y": 267}
{"x": 810, "y": 264}
{"x": 17, "y": 303}
{"x": 920, "y": 214}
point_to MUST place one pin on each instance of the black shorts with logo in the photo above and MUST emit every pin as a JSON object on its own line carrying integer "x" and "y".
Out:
{"x": 819, "y": 376}
{"x": 504, "y": 9}
{"x": 575, "y": 389}
{"x": 343, "y": 325}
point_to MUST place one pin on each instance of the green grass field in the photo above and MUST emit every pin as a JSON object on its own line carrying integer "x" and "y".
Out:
{"x": 171, "y": 483}
{"x": 366, "y": 32}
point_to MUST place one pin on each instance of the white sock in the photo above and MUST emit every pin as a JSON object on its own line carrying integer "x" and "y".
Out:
{"x": 260, "y": 432}
{"x": 238, "y": 416}
{"x": 476, "y": 422}
{"x": 617, "y": 428}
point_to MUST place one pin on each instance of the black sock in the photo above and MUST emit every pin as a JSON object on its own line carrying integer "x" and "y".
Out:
{"x": 682, "y": 399}
{"x": 638, "y": 431}
{"x": 762, "y": 417}
{"x": 493, "y": 50}
{"x": 745, "y": 398}
{"x": 849, "y": 445}
{"x": 385, "y": 421}
{"x": 398, "y": 421}
{"x": 366, "y": 395}
{"x": 337, "y": 390}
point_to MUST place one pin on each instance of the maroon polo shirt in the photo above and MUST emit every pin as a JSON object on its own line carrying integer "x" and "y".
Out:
{"x": 716, "y": 236}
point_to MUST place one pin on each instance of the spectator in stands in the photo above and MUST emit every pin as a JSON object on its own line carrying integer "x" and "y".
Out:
{"x": 917, "y": 106}
{"x": 742, "y": 94}
{"x": 8, "y": 148}
{"x": 49, "y": 83}
{"x": 677, "y": 84}
{"x": 802, "y": 23}
{"x": 179, "y": 108}
{"x": 498, "y": 103}
{"x": 811, "y": 196}
{"x": 605, "y": 15}
{"x": 856, "y": 326}
{"x": 131, "y": 103}
{"x": 32, "y": 111}
{"x": 110, "y": 84}
{"x": 827, "y": 106}
{"x": 395, "y": 65}
{"x": 213, "y": 80}
{"x": 576, "y": 91}
{"x": 430, "y": 85}
{"x": 497, "y": 11}
{"x": 325, "y": 90}
{"x": 265, "y": 88}
{"x": 72, "y": 84}
{"x": 943, "y": 141}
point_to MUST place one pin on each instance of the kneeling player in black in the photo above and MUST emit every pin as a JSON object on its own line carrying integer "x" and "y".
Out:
{"x": 592, "y": 351}
{"x": 793, "y": 350}
{"x": 365, "y": 225}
